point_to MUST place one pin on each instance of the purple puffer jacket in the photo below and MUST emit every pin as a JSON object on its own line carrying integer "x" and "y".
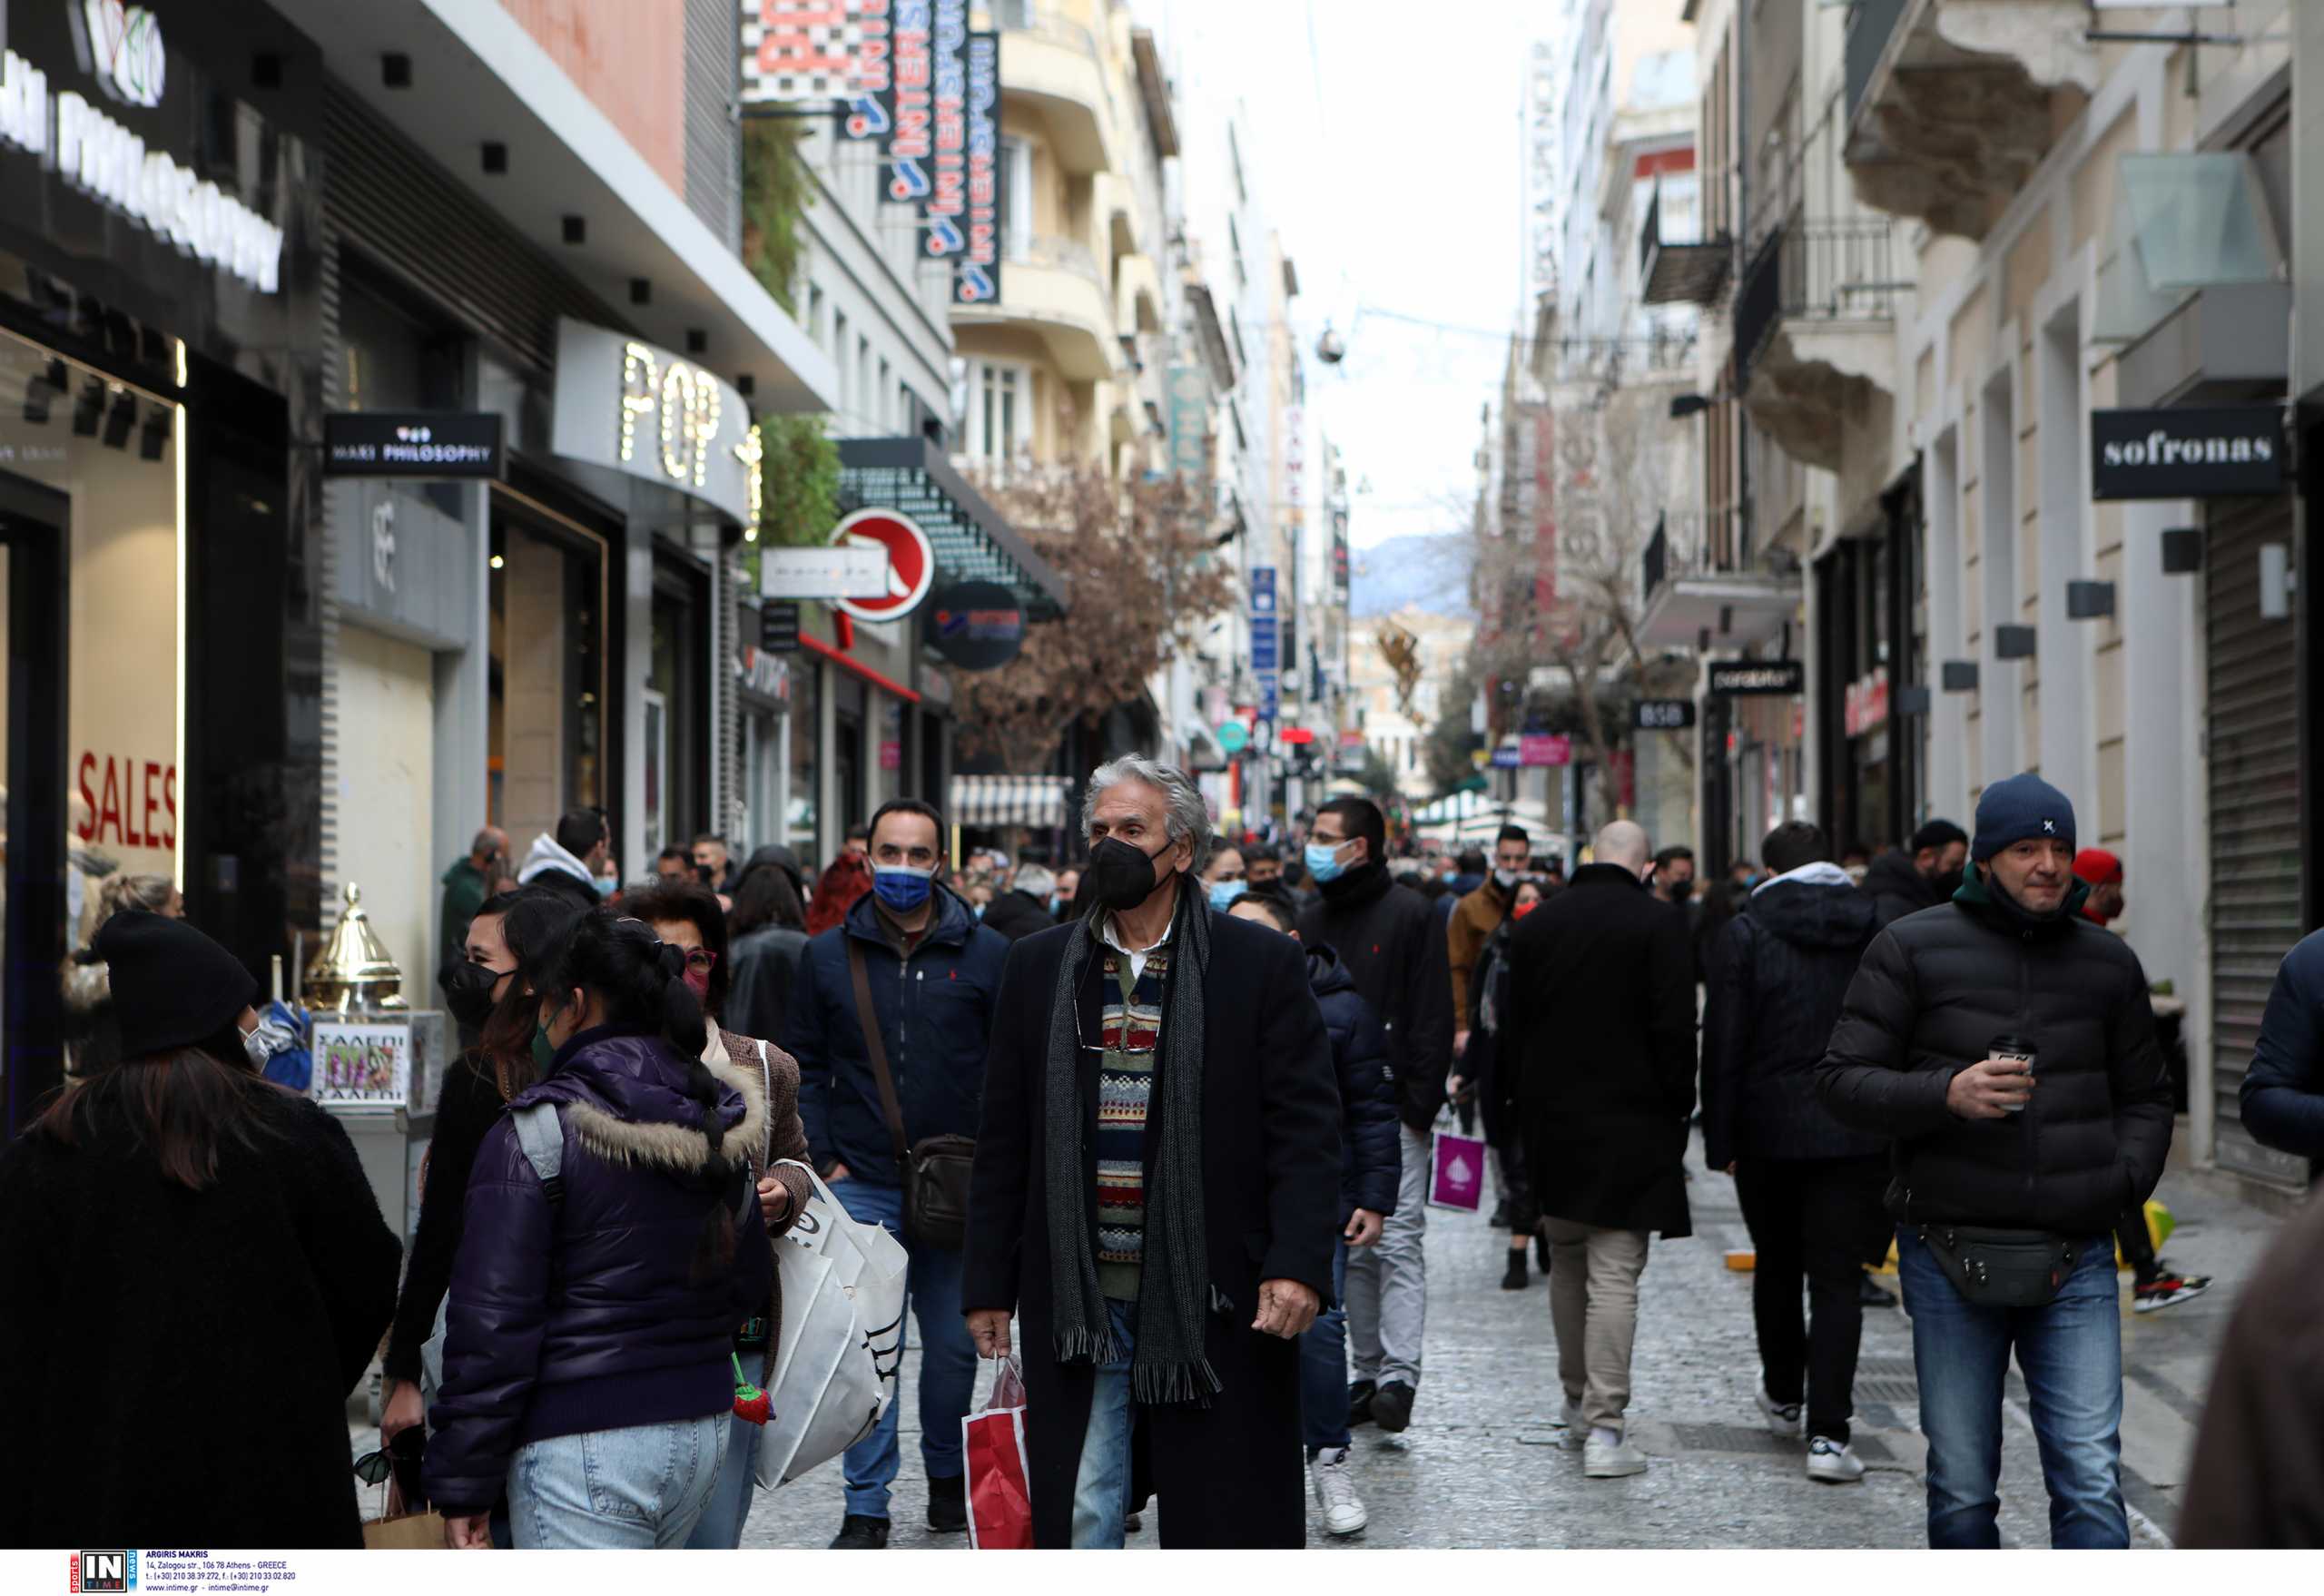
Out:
{"x": 592, "y": 1320}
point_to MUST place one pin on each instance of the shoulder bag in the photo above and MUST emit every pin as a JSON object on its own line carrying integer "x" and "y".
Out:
{"x": 2002, "y": 1268}
{"x": 934, "y": 1172}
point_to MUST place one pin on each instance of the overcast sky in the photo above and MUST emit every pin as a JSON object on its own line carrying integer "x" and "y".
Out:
{"x": 1389, "y": 156}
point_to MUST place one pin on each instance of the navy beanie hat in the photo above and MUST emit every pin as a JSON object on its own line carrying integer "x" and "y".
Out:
{"x": 2021, "y": 807}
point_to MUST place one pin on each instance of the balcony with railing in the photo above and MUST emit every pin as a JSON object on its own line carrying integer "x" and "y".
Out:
{"x": 1059, "y": 65}
{"x": 1054, "y": 288}
{"x": 1674, "y": 271}
{"x": 1813, "y": 315}
{"x": 1952, "y": 103}
{"x": 1701, "y": 588}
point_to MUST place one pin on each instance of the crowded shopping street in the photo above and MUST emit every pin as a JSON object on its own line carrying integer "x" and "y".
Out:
{"x": 968, "y": 775}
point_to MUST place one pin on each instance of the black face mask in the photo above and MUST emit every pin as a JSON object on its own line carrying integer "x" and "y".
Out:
{"x": 1947, "y": 883}
{"x": 1121, "y": 875}
{"x": 1682, "y": 890}
{"x": 467, "y": 993}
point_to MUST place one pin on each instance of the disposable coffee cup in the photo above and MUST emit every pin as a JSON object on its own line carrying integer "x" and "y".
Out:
{"x": 2016, "y": 1048}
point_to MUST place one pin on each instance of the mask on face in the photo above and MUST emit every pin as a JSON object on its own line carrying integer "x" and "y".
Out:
{"x": 607, "y": 885}
{"x": 698, "y": 984}
{"x": 467, "y": 993}
{"x": 1522, "y": 910}
{"x": 977, "y": 910}
{"x": 1323, "y": 861}
{"x": 1121, "y": 875}
{"x": 1682, "y": 890}
{"x": 1224, "y": 893}
{"x": 1506, "y": 880}
{"x": 902, "y": 887}
{"x": 255, "y": 1047}
{"x": 544, "y": 1049}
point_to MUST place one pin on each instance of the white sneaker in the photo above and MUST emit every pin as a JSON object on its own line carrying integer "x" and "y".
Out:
{"x": 1784, "y": 1418}
{"x": 1832, "y": 1463}
{"x": 1611, "y": 1460}
{"x": 1575, "y": 1432}
{"x": 1344, "y": 1511}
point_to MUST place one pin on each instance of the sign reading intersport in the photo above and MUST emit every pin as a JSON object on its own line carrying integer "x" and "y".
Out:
{"x": 2186, "y": 454}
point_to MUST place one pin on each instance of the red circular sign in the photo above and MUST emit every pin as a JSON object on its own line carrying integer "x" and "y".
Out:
{"x": 911, "y": 562}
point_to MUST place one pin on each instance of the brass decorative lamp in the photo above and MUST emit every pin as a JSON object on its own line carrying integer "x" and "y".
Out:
{"x": 353, "y": 971}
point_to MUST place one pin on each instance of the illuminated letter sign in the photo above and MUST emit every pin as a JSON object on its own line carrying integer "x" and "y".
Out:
{"x": 655, "y": 416}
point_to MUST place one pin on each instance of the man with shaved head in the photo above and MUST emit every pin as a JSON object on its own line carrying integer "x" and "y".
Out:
{"x": 1599, "y": 1070}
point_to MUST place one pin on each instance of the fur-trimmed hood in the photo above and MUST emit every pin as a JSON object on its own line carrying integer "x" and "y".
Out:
{"x": 624, "y": 1097}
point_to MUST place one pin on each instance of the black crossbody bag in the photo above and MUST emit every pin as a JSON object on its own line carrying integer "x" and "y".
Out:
{"x": 2002, "y": 1268}
{"x": 935, "y": 1173}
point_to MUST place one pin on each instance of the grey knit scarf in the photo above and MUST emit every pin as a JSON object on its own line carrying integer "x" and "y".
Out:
{"x": 1167, "y": 1364}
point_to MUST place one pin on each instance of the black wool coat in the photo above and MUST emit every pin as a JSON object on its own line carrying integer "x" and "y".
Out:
{"x": 1018, "y": 915}
{"x": 1234, "y": 1473}
{"x": 1597, "y": 1052}
{"x": 1783, "y": 967}
{"x": 1393, "y": 943}
{"x": 1933, "y": 992}
{"x": 178, "y": 1363}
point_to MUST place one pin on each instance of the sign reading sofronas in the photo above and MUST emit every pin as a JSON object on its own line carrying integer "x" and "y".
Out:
{"x": 655, "y": 416}
{"x": 2186, "y": 454}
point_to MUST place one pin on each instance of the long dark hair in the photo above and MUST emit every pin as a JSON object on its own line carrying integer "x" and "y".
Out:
{"x": 532, "y": 922}
{"x": 766, "y": 897}
{"x": 640, "y": 982}
{"x": 182, "y": 1106}
{"x": 698, "y": 906}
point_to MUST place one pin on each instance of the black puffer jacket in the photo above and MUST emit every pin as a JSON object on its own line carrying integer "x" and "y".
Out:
{"x": 1392, "y": 944}
{"x": 1896, "y": 889}
{"x": 1782, "y": 966}
{"x": 1370, "y": 1160}
{"x": 1933, "y": 991}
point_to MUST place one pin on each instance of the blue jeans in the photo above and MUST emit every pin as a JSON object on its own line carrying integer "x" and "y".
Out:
{"x": 639, "y": 1489}
{"x": 720, "y": 1528}
{"x": 1101, "y": 1488}
{"x": 1323, "y": 1368}
{"x": 2071, "y": 1354}
{"x": 947, "y": 1374}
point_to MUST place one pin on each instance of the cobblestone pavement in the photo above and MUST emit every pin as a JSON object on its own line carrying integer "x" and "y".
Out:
{"x": 1479, "y": 1467}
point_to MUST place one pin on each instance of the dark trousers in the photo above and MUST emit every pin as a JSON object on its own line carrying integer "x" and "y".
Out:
{"x": 2138, "y": 1247}
{"x": 1820, "y": 1220}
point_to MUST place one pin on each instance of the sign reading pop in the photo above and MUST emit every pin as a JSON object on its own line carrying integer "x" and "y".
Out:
{"x": 656, "y": 416}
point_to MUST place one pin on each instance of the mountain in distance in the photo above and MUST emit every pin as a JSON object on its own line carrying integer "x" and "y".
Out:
{"x": 1427, "y": 569}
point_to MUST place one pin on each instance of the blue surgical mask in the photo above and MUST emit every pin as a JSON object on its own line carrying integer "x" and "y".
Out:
{"x": 901, "y": 887}
{"x": 1324, "y": 862}
{"x": 607, "y": 885}
{"x": 1224, "y": 893}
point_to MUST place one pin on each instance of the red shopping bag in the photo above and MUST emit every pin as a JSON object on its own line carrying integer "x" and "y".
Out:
{"x": 1001, "y": 1490}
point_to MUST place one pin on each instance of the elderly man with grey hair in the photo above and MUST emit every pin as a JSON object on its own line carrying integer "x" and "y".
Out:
{"x": 1022, "y": 906}
{"x": 1597, "y": 1060}
{"x": 1155, "y": 1191}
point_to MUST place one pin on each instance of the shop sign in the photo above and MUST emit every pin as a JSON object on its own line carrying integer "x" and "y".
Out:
{"x": 778, "y": 626}
{"x": 2186, "y": 454}
{"x": 976, "y": 271}
{"x": 98, "y": 155}
{"x": 763, "y": 672}
{"x": 655, "y": 416}
{"x": 846, "y": 572}
{"x": 1508, "y": 756}
{"x": 1350, "y": 739}
{"x": 977, "y": 626}
{"x": 1756, "y": 678}
{"x": 891, "y": 755}
{"x": 1535, "y": 749}
{"x": 402, "y": 443}
{"x": 1866, "y": 703}
{"x": 1662, "y": 715}
{"x": 1233, "y": 735}
{"x": 910, "y": 563}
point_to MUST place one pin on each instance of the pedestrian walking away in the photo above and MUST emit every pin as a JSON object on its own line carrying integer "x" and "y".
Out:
{"x": 1479, "y": 1073}
{"x": 2008, "y": 1045}
{"x": 688, "y": 918}
{"x": 1598, "y": 1061}
{"x": 890, "y": 1023}
{"x": 1158, "y": 1179}
{"x": 767, "y": 929}
{"x": 1371, "y": 1169}
{"x": 568, "y": 863}
{"x": 218, "y": 1236}
{"x": 2282, "y": 1093}
{"x": 1396, "y": 949}
{"x": 1024, "y": 907}
{"x": 613, "y": 1244}
{"x": 1810, "y": 1187}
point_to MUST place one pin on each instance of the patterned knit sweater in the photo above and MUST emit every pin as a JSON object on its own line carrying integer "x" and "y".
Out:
{"x": 1126, "y": 1073}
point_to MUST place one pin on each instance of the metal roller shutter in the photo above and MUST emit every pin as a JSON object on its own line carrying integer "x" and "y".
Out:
{"x": 2254, "y": 757}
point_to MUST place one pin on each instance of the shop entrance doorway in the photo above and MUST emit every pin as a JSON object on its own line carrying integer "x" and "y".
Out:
{"x": 35, "y": 524}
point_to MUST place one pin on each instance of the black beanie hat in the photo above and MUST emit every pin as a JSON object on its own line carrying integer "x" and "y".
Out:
{"x": 2023, "y": 806}
{"x": 172, "y": 987}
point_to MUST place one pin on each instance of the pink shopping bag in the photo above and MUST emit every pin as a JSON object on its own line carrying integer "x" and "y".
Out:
{"x": 1001, "y": 1492}
{"x": 1456, "y": 1177}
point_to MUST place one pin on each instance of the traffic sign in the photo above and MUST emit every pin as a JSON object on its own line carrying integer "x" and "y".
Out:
{"x": 1233, "y": 735}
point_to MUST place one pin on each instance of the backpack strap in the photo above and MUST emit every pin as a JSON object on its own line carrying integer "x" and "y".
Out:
{"x": 541, "y": 1135}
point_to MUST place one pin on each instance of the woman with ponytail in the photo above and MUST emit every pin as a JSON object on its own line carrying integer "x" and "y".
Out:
{"x": 587, "y": 1366}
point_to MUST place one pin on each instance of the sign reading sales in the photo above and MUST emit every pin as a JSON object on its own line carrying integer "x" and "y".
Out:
{"x": 2186, "y": 454}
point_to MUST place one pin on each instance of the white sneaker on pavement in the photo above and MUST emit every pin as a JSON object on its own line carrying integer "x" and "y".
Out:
{"x": 1575, "y": 1432}
{"x": 1610, "y": 1456}
{"x": 1344, "y": 1511}
{"x": 1784, "y": 1418}
{"x": 1832, "y": 1463}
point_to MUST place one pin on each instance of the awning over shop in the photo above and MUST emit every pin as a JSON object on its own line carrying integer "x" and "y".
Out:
{"x": 973, "y": 542}
{"x": 1038, "y": 802}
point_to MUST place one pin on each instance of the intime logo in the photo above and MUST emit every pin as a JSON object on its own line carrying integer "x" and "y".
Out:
{"x": 104, "y": 1570}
